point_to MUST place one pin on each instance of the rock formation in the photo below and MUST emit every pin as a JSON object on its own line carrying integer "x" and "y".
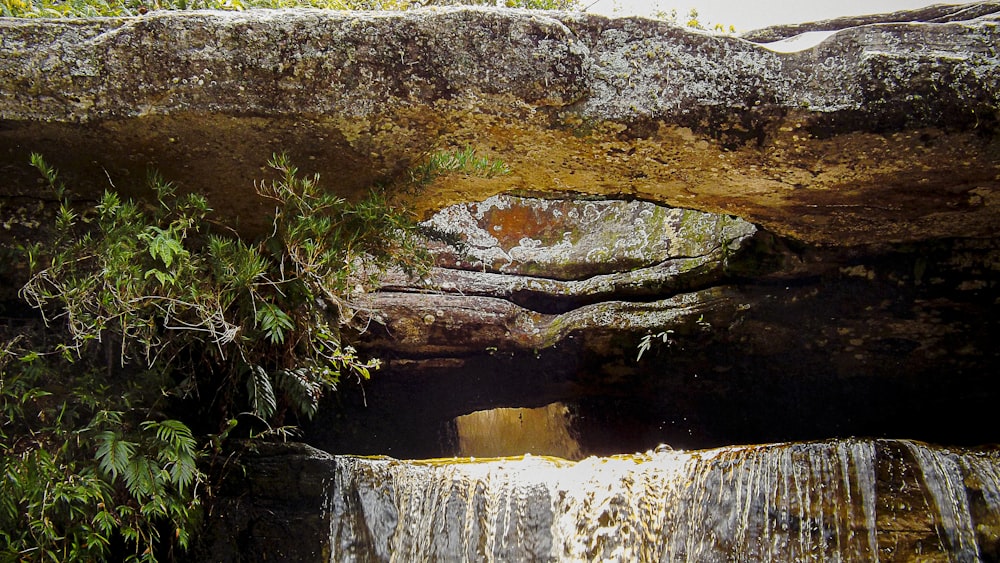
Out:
{"x": 881, "y": 133}
{"x": 937, "y": 13}
{"x": 701, "y": 242}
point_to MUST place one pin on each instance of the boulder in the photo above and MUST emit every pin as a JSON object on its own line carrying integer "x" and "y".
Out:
{"x": 552, "y": 255}
{"x": 567, "y": 240}
{"x": 272, "y": 507}
{"x": 937, "y": 13}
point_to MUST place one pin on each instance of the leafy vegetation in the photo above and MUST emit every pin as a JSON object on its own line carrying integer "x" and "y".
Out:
{"x": 175, "y": 292}
{"x": 162, "y": 330}
{"x": 115, "y": 8}
{"x": 693, "y": 20}
{"x": 646, "y": 342}
{"x": 464, "y": 161}
{"x": 83, "y": 477}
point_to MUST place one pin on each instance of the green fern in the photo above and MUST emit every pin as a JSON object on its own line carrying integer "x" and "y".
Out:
{"x": 273, "y": 322}
{"x": 192, "y": 311}
{"x": 261, "y": 393}
{"x": 302, "y": 388}
{"x": 141, "y": 479}
{"x": 114, "y": 453}
{"x": 177, "y": 452}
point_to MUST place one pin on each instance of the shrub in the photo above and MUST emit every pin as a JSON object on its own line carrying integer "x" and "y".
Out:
{"x": 151, "y": 306}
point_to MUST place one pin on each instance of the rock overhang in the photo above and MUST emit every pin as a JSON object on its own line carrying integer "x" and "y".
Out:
{"x": 881, "y": 133}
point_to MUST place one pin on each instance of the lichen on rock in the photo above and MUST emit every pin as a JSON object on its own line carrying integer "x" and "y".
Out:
{"x": 810, "y": 144}
{"x": 570, "y": 239}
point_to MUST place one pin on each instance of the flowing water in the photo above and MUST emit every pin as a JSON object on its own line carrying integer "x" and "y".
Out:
{"x": 842, "y": 500}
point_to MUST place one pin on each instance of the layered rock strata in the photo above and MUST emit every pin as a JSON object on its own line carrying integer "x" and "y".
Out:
{"x": 880, "y": 133}
{"x": 526, "y": 273}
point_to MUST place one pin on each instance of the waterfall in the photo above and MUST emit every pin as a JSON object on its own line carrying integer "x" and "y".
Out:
{"x": 841, "y": 500}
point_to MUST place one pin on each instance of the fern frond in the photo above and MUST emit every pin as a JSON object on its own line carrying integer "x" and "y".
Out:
{"x": 261, "y": 393}
{"x": 301, "y": 388}
{"x": 179, "y": 456}
{"x": 113, "y": 453}
{"x": 273, "y": 322}
{"x": 172, "y": 432}
{"x": 183, "y": 472}
{"x": 141, "y": 478}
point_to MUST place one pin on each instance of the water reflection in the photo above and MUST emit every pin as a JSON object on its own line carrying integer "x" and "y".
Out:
{"x": 513, "y": 431}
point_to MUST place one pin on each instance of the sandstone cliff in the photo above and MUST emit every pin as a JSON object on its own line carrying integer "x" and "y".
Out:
{"x": 881, "y": 133}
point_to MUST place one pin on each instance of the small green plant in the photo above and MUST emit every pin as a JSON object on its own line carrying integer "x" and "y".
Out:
{"x": 694, "y": 21}
{"x": 464, "y": 161}
{"x": 666, "y": 337}
{"x": 647, "y": 341}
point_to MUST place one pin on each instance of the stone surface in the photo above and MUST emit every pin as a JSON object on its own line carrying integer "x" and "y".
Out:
{"x": 450, "y": 325}
{"x": 528, "y": 273}
{"x": 272, "y": 507}
{"x": 553, "y": 255}
{"x": 883, "y": 132}
{"x": 578, "y": 239}
{"x": 937, "y": 13}
{"x": 785, "y": 343}
{"x": 768, "y": 341}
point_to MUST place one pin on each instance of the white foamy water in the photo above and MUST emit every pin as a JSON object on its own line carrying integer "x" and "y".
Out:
{"x": 785, "y": 502}
{"x": 821, "y": 501}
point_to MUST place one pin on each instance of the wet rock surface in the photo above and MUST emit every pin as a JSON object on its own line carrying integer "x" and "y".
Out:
{"x": 856, "y": 500}
{"x": 272, "y": 508}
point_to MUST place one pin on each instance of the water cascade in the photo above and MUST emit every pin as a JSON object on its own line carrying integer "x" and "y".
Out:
{"x": 843, "y": 500}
